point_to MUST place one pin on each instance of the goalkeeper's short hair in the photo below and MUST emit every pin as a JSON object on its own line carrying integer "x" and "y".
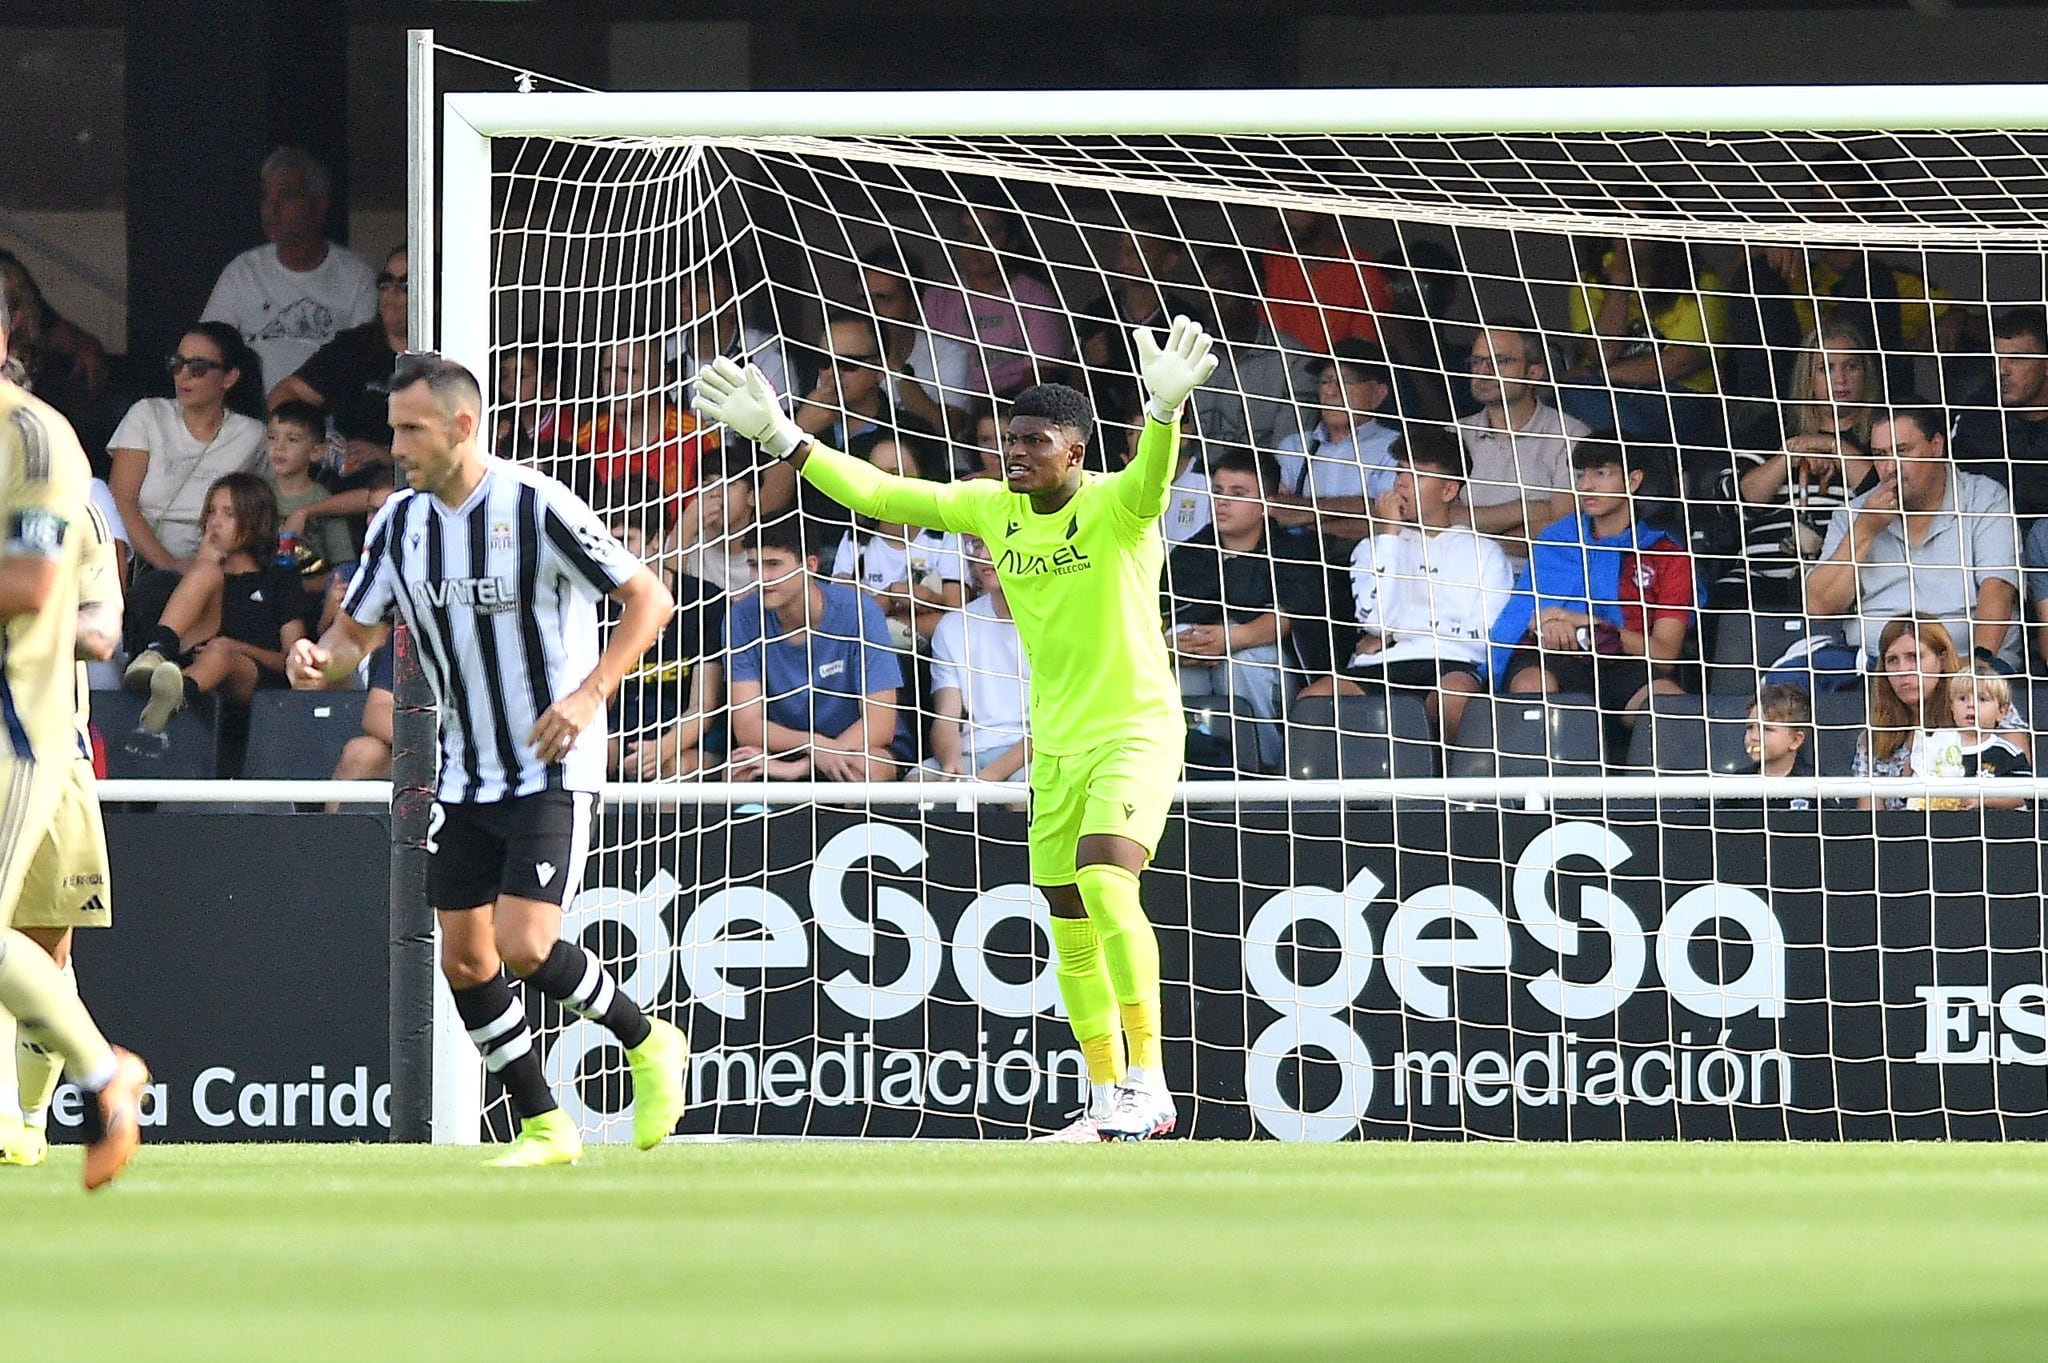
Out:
{"x": 1063, "y": 406}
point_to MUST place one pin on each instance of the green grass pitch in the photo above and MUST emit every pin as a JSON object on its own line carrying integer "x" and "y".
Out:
{"x": 997, "y": 1252}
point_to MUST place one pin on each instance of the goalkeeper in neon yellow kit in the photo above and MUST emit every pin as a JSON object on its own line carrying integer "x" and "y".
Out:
{"x": 1079, "y": 557}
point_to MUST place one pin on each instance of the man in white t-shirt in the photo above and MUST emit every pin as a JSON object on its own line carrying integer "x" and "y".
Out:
{"x": 913, "y": 574}
{"x": 1328, "y": 478}
{"x": 981, "y": 685}
{"x": 1519, "y": 449}
{"x": 292, "y": 295}
{"x": 1427, "y": 587}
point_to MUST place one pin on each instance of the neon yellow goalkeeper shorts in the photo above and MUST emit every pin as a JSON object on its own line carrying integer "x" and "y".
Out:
{"x": 1123, "y": 788}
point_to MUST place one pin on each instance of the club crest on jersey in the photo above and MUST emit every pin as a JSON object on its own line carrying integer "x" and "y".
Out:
{"x": 501, "y": 535}
{"x": 484, "y": 595}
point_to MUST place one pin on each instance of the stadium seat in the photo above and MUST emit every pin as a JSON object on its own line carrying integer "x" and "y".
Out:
{"x": 1554, "y": 735}
{"x": 1691, "y": 734}
{"x": 1359, "y": 738}
{"x": 299, "y": 735}
{"x": 186, "y": 750}
{"x": 1745, "y": 645}
{"x": 1839, "y": 720}
{"x": 1222, "y": 744}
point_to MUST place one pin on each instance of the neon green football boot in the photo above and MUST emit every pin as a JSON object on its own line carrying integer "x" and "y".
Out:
{"x": 22, "y": 1144}
{"x": 544, "y": 1140}
{"x": 660, "y": 1066}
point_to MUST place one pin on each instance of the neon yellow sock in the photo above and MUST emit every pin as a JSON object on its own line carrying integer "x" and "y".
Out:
{"x": 33, "y": 989}
{"x": 38, "y": 1069}
{"x": 1090, "y": 999}
{"x": 1131, "y": 951}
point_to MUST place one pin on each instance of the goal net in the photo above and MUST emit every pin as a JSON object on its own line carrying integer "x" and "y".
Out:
{"x": 1541, "y": 421}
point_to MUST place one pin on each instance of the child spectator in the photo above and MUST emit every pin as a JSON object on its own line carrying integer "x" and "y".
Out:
{"x": 1982, "y": 701}
{"x": 233, "y": 615}
{"x": 294, "y": 444}
{"x": 915, "y": 576}
{"x": 665, "y": 706}
{"x": 981, "y": 685}
{"x": 1780, "y": 738}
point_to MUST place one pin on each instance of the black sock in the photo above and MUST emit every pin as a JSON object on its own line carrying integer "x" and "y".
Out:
{"x": 579, "y": 982}
{"x": 496, "y": 1021}
{"x": 164, "y": 641}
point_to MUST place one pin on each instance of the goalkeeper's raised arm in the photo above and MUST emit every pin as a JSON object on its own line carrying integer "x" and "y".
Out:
{"x": 743, "y": 399}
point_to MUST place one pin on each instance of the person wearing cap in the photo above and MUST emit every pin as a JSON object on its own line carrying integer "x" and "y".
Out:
{"x": 1328, "y": 476}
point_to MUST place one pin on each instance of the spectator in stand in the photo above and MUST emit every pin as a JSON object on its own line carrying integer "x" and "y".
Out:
{"x": 1910, "y": 700}
{"x": 1188, "y": 510}
{"x": 1789, "y": 475}
{"x": 1327, "y": 478}
{"x": 233, "y": 615}
{"x": 1427, "y": 587}
{"x": 1147, "y": 264}
{"x": 981, "y": 685}
{"x": 714, "y": 325}
{"x": 1994, "y": 741}
{"x": 1927, "y": 539}
{"x": 2011, "y": 444}
{"x": 1651, "y": 322}
{"x": 984, "y": 458}
{"x": 61, "y": 362}
{"x": 1003, "y": 308}
{"x": 1234, "y": 591}
{"x": 300, "y": 290}
{"x": 927, "y": 374}
{"x": 639, "y": 431}
{"x": 1257, "y": 392}
{"x": 849, "y": 410}
{"x": 814, "y": 683}
{"x": 1519, "y": 447}
{"x": 168, "y": 451}
{"x": 1318, "y": 292}
{"x": 1779, "y": 737}
{"x": 347, "y": 379}
{"x": 669, "y": 703}
{"x": 529, "y": 425}
{"x": 710, "y": 542}
{"x": 915, "y": 576}
{"x": 1606, "y": 603}
{"x": 1429, "y": 365}
{"x": 292, "y": 448}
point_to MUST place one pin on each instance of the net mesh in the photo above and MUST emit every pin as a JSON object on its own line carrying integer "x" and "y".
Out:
{"x": 1734, "y": 313}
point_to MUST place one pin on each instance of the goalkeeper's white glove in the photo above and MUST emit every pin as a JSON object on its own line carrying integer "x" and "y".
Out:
{"x": 744, "y": 400}
{"x": 1174, "y": 370}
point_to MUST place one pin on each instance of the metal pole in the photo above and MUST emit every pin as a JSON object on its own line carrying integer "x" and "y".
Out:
{"x": 412, "y": 723}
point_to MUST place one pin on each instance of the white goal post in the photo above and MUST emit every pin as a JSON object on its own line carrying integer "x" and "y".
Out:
{"x": 1352, "y": 940}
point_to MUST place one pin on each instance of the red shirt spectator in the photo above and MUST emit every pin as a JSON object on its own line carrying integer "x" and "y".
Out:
{"x": 1317, "y": 292}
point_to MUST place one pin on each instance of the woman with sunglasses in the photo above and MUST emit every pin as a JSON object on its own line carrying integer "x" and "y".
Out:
{"x": 168, "y": 451}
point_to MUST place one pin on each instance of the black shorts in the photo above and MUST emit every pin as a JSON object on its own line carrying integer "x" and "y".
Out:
{"x": 1422, "y": 675}
{"x": 1612, "y": 679}
{"x": 530, "y": 846}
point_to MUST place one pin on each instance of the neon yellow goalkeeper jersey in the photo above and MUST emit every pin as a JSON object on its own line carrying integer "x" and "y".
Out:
{"x": 1082, "y": 583}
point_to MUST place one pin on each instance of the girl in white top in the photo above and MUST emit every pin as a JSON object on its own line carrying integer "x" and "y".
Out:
{"x": 168, "y": 451}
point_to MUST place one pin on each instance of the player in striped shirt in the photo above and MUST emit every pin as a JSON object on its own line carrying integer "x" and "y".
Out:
{"x": 497, "y": 570}
{"x": 1079, "y": 556}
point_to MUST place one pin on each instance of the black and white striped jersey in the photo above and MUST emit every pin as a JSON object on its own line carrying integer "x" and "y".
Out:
{"x": 502, "y": 595}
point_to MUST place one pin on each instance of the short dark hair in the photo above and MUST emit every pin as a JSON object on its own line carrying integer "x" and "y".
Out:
{"x": 452, "y": 385}
{"x": 787, "y": 533}
{"x": 2014, "y": 323}
{"x": 1362, "y": 357}
{"x": 638, "y": 501}
{"x": 1425, "y": 445}
{"x": 1065, "y": 407}
{"x": 303, "y": 415}
{"x": 1260, "y": 464}
{"x": 1784, "y": 703}
{"x": 892, "y": 260}
{"x": 1931, "y": 420}
{"x": 1600, "y": 454}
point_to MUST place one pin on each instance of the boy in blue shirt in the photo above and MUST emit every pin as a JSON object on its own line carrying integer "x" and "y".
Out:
{"x": 814, "y": 681}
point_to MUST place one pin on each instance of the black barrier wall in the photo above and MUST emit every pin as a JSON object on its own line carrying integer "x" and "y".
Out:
{"x": 1596, "y": 975}
{"x": 247, "y": 964}
{"x": 1584, "y": 975}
